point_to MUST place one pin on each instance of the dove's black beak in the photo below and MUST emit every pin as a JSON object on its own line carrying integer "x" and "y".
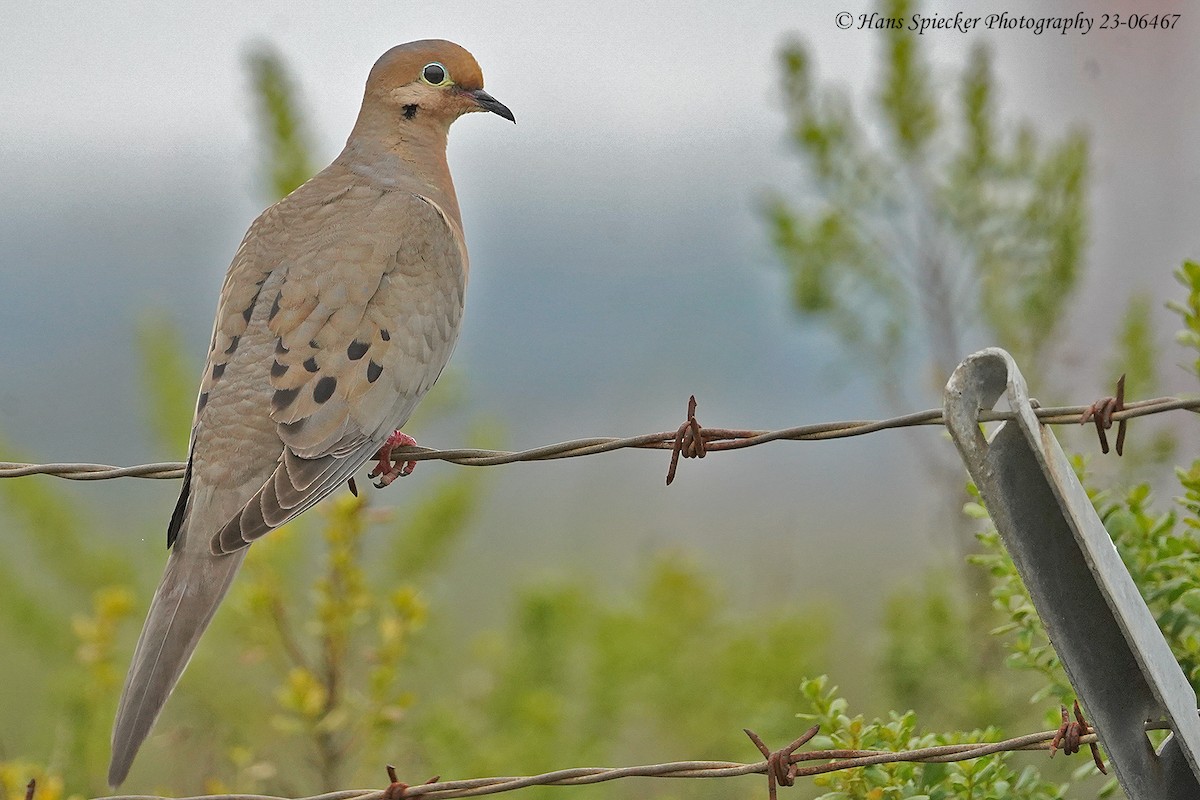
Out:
{"x": 488, "y": 103}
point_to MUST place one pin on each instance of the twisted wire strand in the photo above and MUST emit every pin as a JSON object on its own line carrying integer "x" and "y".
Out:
{"x": 833, "y": 760}
{"x": 714, "y": 439}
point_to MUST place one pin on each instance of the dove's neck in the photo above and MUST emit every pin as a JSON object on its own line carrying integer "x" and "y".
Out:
{"x": 412, "y": 158}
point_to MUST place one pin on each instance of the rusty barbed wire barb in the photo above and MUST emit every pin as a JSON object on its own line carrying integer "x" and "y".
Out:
{"x": 781, "y": 769}
{"x": 396, "y": 789}
{"x": 1103, "y": 412}
{"x": 712, "y": 438}
{"x": 1063, "y": 737}
{"x": 1070, "y": 737}
{"x": 689, "y": 440}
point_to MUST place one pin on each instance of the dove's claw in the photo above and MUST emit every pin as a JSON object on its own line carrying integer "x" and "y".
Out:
{"x": 388, "y": 470}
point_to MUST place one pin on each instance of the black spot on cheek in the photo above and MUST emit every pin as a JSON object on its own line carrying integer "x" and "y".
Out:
{"x": 373, "y": 371}
{"x": 324, "y": 389}
{"x": 279, "y": 370}
{"x": 202, "y": 402}
{"x": 410, "y": 111}
{"x": 283, "y": 398}
{"x": 356, "y": 350}
{"x": 233, "y": 343}
{"x": 218, "y": 371}
{"x": 311, "y": 365}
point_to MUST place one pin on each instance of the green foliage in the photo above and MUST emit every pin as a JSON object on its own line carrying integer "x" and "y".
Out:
{"x": 15, "y": 777}
{"x": 988, "y": 777}
{"x": 53, "y": 566}
{"x": 1025, "y": 218}
{"x": 907, "y": 98}
{"x": 57, "y": 529}
{"x": 1189, "y": 310}
{"x": 1137, "y": 356}
{"x": 574, "y": 679}
{"x": 429, "y": 531}
{"x": 167, "y": 384}
{"x": 933, "y": 651}
{"x": 102, "y": 673}
{"x": 281, "y": 125}
{"x": 1162, "y": 556}
{"x": 950, "y": 230}
{"x": 337, "y": 659}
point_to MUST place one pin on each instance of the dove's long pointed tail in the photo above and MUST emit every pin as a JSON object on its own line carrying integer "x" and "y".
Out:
{"x": 191, "y": 589}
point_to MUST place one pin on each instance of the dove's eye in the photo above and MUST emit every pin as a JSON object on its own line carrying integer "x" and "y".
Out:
{"x": 435, "y": 74}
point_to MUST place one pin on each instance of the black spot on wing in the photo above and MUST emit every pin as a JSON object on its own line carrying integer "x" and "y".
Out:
{"x": 373, "y": 371}
{"x": 249, "y": 310}
{"x": 310, "y": 364}
{"x": 385, "y": 334}
{"x": 279, "y": 370}
{"x": 283, "y": 398}
{"x": 357, "y": 350}
{"x": 324, "y": 388}
{"x": 217, "y": 371}
{"x": 280, "y": 347}
{"x": 275, "y": 307}
{"x": 201, "y": 402}
{"x": 233, "y": 344}
{"x": 314, "y": 344}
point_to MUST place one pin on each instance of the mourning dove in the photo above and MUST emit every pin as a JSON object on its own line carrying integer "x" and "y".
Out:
{"x": 338, "y": 313}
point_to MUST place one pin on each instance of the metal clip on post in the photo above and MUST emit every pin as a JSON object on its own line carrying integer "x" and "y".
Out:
{"x": 1113, "y": 652}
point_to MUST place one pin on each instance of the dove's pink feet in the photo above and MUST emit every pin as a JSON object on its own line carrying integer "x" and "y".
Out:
{"x": 388, "y": 470}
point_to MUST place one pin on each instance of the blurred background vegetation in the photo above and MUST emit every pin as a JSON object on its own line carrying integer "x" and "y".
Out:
{"x": 927, "y": 223}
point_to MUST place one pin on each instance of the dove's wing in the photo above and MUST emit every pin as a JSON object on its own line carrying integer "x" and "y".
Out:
{"x": 361, "y": 328}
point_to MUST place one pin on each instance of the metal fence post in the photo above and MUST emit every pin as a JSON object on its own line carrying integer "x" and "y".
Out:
{"x": 1112, "y": 650}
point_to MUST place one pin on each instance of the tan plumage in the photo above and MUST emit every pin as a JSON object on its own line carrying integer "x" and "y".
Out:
{"x": 338, "y": 313}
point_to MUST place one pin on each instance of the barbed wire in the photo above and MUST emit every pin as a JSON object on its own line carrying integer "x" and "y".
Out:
{"x": 693, "y": 440}
{"x": 690, "y": 440}
{"x": 780, "y": 766}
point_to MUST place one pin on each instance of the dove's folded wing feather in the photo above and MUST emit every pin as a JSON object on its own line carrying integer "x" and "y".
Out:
{"x": 362, "y": 329}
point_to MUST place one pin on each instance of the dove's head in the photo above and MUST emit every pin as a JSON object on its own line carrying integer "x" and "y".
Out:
{"x": 430, "y": 81}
